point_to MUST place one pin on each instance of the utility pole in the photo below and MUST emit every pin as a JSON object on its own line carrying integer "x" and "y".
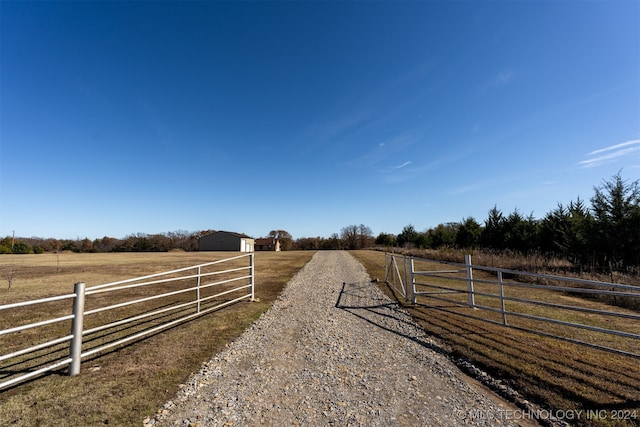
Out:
{"x": 13, "y": 239}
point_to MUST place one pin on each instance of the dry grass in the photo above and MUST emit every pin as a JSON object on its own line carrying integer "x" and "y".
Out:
{"x": 129, "y": 383}
{"x": 534, "y": 263}
{"x": 555, "y": 374}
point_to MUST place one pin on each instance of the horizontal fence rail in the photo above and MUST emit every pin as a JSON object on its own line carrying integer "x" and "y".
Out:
{"x": 559, "y": 307}
{"x": 112, "y": 314}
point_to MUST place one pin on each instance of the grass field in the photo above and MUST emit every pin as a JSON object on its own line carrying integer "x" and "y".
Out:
{"x": 555, "y": 374}
{"x": 125, "y": 385}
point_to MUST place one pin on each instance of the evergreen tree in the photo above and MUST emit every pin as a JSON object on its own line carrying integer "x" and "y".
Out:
{"x": 386, "y": 239}
{"x": 469, "y": 232}
{"x": 553, "y": 232}
{"x": 407, "y": 236}
{"x": 444, "y": 235}
{"x": 520, "y": 233}
{"x": 616, "y": 212}
{"x": 493, "y": 235}
{"x": 579, "y": 247}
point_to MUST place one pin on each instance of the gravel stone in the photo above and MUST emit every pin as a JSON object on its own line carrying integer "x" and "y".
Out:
{"x": 333, "y": 350}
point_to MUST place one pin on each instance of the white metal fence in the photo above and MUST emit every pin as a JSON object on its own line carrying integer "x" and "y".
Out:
{"x": 504, "y": 296}
{"x": 165, "y": 299}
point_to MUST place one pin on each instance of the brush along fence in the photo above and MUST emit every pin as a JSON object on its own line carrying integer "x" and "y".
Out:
{"x": 586, "y": 312}
{"x": 112, "y": 314}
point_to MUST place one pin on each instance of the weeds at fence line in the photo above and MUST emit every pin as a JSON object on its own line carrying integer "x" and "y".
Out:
{"x": 534, "y": 263}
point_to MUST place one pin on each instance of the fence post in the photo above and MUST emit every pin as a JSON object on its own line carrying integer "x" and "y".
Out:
{"x": 252, "y": 278}
{"x": 501, "y": 284}
{"x": 391, "y": 264}
{"x": 472, "y": 297}
{"x": 75, "y": 350}
{"x": 386, "y": 271}
{"x": 198, "y": 290}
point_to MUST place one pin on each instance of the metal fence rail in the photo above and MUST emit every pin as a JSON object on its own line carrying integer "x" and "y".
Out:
{"x": 226, "y": 287}
{"x": 509, "y": 300}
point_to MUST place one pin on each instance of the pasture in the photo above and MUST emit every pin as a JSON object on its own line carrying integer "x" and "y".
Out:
{"x": 125, "y": 385}
{"x": 555, "y": 374}
{"x": 122, "y": 386}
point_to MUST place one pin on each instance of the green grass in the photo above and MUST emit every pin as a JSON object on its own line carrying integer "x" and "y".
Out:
{"x": 129, "y": 383}
{"x": 555, "y": 374}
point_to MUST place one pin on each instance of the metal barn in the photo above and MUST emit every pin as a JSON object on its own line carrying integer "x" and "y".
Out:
{"x": 226, "y": 241}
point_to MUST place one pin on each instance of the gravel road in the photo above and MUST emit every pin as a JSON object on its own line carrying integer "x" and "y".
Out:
{"x": 333, "y": 350}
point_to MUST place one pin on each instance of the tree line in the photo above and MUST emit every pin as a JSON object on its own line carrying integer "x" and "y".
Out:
{"x": 601, "y": 235}
{"x": 138, "y": 242}
{"x": 351, "y": 237}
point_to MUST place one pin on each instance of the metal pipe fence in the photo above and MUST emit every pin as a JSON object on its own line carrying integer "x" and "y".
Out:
{"x": 392, "y": 274}
{"x": 212, "y": 288}
{"x": 539, "y": 303}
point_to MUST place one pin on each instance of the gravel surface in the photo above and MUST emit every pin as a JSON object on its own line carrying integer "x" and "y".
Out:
{"x": 333, "y": 350}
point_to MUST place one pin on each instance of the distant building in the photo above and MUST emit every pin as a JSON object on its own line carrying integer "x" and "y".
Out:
{"x": 268, "y": 244}
{"x": 226, "y": 241}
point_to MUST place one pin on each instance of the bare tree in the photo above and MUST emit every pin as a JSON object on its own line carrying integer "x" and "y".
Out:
{"x": 365, "y": 237}
{"x": 286, "y": 240}
{"x": 350, "y": 237}
{"x": 356, "y": 236}
{"x": 11, "y": 274}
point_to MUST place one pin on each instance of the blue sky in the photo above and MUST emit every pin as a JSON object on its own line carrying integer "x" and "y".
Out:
{"x": 146, "y": 117}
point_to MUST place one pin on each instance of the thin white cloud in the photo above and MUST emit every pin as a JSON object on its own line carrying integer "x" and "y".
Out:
{"x": 407, "y": 163}
{"x": 613, "y": 152}
{"x": 615, "y": 147}
{"x": 382, "y": 151}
